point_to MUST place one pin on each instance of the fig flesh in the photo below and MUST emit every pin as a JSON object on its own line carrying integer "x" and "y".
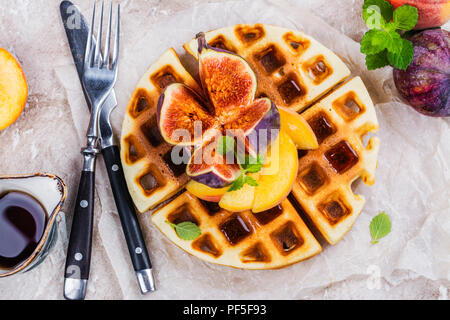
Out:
{"x": 425, "y": 85}
{"x": 227, "y": 79}
{"x": 180, "y": 114}
{"x": 187, "y": 119}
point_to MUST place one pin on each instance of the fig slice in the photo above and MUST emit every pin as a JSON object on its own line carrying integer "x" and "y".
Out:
{"x": 210, "y": 168}
{"x": 182, "y": 119}
{"x": 227, "y": 79}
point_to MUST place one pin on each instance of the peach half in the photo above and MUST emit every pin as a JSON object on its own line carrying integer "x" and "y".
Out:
{"x": 13, "y": 89}
{"x": 432, "y": 13}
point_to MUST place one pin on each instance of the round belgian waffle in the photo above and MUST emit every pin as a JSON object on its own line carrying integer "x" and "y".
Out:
{"x": 296, "y": 72}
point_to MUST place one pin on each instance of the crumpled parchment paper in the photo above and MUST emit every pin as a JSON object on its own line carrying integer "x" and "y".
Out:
{"x": 412, "y": 180}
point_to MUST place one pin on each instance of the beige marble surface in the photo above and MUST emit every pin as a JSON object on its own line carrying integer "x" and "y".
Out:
{"x": 46, "y": 138}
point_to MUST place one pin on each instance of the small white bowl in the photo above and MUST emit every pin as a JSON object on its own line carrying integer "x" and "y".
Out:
{"x": 51, "y": 192}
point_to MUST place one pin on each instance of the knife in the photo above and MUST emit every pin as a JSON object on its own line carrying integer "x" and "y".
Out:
{"x": 77, "y": 33}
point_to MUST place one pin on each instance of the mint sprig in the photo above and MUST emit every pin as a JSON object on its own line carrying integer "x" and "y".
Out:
{"x": 186, "y": 230}
{"x": 383, "y": 44}
{"x": 252, "y": 164}
{"x": 247, "y": 163}
{"x": 380, "y": 226}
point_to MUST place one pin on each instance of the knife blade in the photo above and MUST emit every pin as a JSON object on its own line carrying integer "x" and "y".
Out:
{"x": 77, "y": 33}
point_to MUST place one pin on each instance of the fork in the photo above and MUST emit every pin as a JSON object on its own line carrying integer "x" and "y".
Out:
{"x": 99, "y": 78}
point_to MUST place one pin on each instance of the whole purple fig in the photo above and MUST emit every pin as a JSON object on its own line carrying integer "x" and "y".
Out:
{"x": 426, "y": 82}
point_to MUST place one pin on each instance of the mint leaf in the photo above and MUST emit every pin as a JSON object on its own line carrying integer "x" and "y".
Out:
{"x": 252, "y": 164}
{"x": 186, "y": 230}
{"x": 390, "y": 27}
{"x": 250, "y": 181}
{"x": 374, "y": 41}
{"x": 376, "y": 61}
{"x": 225, "y": 145}
{"x": 380, "y": 226}
{"x": 403, "y": 59}
{"x": 406, "y": 17}
{"x": 377, "y": 12}
{"x": 238, "y": 183}
{"x": 394, "y": 42}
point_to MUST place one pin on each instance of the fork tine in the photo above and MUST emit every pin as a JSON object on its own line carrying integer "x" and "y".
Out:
{"x": 116, "y": 47}
{"x": 98, "y": 58}
{"x": 88, "y": 52}
{"x": 108, "y": 37}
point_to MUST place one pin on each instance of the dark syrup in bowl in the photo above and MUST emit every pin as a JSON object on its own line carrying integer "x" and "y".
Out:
{"x": 23, "y": 220}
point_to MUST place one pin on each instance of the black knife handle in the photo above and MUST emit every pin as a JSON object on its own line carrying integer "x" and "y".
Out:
{"x": 130, "y": 224}
{"x": 79, "y": 251}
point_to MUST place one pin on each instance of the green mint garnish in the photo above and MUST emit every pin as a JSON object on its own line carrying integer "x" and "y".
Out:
{"x": 252, "y": 164}
{"x": 250, "y": 181}
{"x": 383, "y": 44}
{"x": 186, "y": 230}
{"x": 404, "y": 58}
{"x": 238, "y": 183}
{"x": 249, "y": 165}
{"x": 380, "y": 226}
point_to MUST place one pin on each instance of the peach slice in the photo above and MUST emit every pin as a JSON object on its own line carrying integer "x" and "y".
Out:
{"x": 13, "y": 89}
{"x": 298, "y": 129}
{"x": 276, "y": 181}
{"x": 239, "y": 200}
{"x": 204, "y": 192}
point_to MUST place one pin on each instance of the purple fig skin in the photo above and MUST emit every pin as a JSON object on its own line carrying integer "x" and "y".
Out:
{"x": 203, "y": 44}
{"x": 158, "y": 109}
{"x": 211, "y": 180}
{"x": 271, "y": 121}
{"x": 425, "y": 85}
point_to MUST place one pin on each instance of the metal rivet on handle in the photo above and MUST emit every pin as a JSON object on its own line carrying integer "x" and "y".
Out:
{"x": 78, "y": 256}
{"x": 84, "y": 204}
{"x": 115, "y": 168}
